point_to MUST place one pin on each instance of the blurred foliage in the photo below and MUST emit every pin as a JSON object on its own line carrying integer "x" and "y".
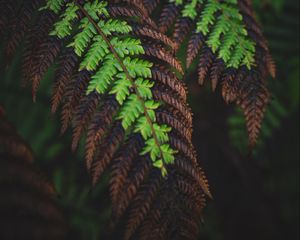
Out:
{"x": 88, "y": 209}
{"x": 276, "y": 5}
{"x": 254, "y": 199}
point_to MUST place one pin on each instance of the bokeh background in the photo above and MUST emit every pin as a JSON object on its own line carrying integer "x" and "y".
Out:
{"x": 255, "y": 197}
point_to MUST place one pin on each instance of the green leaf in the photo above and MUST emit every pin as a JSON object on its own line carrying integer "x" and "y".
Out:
{"x": 121, "y": 88}
{"x": 143, "y": 127}
{"x": 158, "y": 164}
{"x": 84, "y": 37}
{"x": 95, "y": 55}
{"x": 131, "y": 110}
{"x": 138, "y": 67}
{"x": 96, "y": 8}
{"x": 53, "y": 5}
{"x": 104, "y": 76}
{"x": 63, "y": 28}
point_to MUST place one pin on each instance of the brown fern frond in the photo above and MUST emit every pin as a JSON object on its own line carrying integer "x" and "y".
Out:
{"x": 179, "y": 127}
{"x": 45, "y": 57}
{"x": 182, "y": 28}
{"x": 63, "y": 76}
{"x": 195, "y": 44}
{"x": 74, "y": 93}
{"x": 166, "y": 77}
{"x": 216, "y": 73}
{"x": 229, "y": 86}
{"x": 152, "y": 227}
{"x": 168, "y": 17}
{"x": 19, "y": 24}
{"x": 150, "y": 5}
{"x": 28, "y": 209}
{"x": 158, "y": 52}
{"x": 106, "y": 150}
{"x": 160, "y": 224}
{"x": 153, "y": 34}
{"x": 123, "y": 163}
{"x": 99, "y": 127}
{"x": 82, "y": 116}
{"x": 205, "y": 63}
{"x": 130, "y": 11}
{"x": 132, "y": 185}
{"x": 141, "y": 206}
{"x": 271, "y": 65}
{"x": 35, "y": 38}
{"x": 179, "y": 107}
{"x": 184, "y": 148}
{"x": 108, "y": 145}
{"x": 196, "y": 173}
{"x": 136, "y": 3}
{"x": 253, "y": 99}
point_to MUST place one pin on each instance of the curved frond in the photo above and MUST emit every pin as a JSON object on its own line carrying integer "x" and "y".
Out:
{"x": 118, "y": 81}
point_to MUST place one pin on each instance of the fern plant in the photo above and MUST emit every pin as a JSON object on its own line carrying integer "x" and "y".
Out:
{"x": 118, "y": 81}
{"x": 231, "y": 48}
{"x": 117, "y": 72}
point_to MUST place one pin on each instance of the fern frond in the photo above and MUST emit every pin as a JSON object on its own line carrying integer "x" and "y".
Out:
{"x": 251, "y": 96}
{"x": 182, "y": 27}
{"x": 276, "y": 112}
{"x": 123, "y": 163}
{"x": 225, "y": 36}
{"x": 221, "y": 25}
{"x": 18, "y": 21}
{"x": 74, "y": 93}
{"x": 82, "y": 116}
{"x": 35, "y": 38}
{"x": 63, "y": 76}
{"x": 205, "y": 63}
{"x": 141, "y": 207}
{"x": 114, "y": 67}
{"x": 117, "y": 77}
{"x": 168, "y": 17}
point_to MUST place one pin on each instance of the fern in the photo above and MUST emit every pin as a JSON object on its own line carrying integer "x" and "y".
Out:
{"x": 118, "y": 71}
{"x": 277, "y": 112}
{"x": 15, "y": 21}
{"x": 226, "y": 33}
{"x": 29, "y": 203}
{"x": 273, "y": 119}
{"x": 231, "y": 50}
{"x": 118, "y": 82}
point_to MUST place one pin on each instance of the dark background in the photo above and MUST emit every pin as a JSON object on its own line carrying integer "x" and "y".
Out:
{"x": 255, "y": 197}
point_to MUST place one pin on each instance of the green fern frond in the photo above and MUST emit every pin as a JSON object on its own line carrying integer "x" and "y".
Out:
{"x": 111, "y": 53}
{"x": 222, "y": 25}
{"x": 54, "y": 5}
